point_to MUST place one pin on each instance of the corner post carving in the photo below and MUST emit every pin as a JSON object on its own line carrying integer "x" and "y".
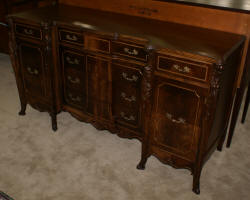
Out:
{"x": 49, "y": 67}
{"x": 147, "y": 95}
{"x": 209, "y": 109}
{"x": 13, "y": 50}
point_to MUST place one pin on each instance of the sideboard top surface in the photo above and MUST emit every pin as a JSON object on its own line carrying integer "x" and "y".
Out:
{"x": 232, "y": 5}
{"x": 159, "y": 34}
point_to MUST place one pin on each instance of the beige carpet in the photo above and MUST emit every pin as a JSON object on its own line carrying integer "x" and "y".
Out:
{"x": 80, "y": 163}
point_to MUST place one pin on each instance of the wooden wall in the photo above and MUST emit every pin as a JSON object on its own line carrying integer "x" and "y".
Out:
{"x": 216, "y": 19}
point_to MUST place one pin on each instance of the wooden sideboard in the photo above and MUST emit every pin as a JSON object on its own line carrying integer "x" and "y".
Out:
{"x": 163, "y": 83}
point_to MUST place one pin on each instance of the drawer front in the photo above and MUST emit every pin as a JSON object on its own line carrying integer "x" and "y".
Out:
{"x": 29, "y": 31}
{"x": 127, "y": 116}
{"x": 188, "y": 69}
{"x": 73, "y": 60}
{"x": 74, "y": 79}
{"x": 74, "y": 98}
{"x": 71, "y": 37}
{"x": 129, "y": 50}
{"x": 97, "y": 44}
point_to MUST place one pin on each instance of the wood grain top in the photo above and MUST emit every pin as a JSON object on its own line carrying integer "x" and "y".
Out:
{"x": 210, "y": 43}
{"x": 233, "y": 5}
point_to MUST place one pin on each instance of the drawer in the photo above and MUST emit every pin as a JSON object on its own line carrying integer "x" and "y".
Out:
{"x": 74, "y": 98}
{"x": 97, "y": 44}
{"x": 73, "y": 59}
{"x": 74, "y": 79}
{"x": 29, "y": 31}
{"x": 72, "y": 37}
{"x": 185, "y": 68}
{"x": 129, "y": 50}
{"x": 127, "y": 116}
{"x": 126, "y": 75}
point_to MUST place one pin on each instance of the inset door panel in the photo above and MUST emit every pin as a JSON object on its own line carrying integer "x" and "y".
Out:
{"x": 175, "y": 117}
{"x": 33, "y": 69}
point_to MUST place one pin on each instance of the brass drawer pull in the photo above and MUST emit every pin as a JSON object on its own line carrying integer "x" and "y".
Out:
{"x": 76, "y": 99}
{"x": 131, "y": 99}
{"x": 133, "y": 52}
{"x": 74, "y": 81}
{"x": 178, "y": 121}
{"x": 131, "y": 118}
{"x": 134, "y": 77}
{"x": 72, "y": 62}
{"x": 72, "y": 38}
{"x": 185, "y": 69}
{"x": 32, "y": 71}
{"x": 28, "y": 31}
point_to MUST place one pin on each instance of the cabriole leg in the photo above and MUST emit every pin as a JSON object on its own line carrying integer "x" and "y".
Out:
{"x": 23, "y": 109}
{"x": 53, "y": 121}
{"x": 196, "y": 182}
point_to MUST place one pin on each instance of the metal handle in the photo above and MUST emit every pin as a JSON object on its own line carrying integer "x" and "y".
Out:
{"x": 133, "y": 52}
{"x": 185, "y": 69}
{"x": 75, "y": 81}
{"x": 28, "y": 31}
{"x": 131, "y": 118}
{"x": 33, "y": 71}
{"x": 178, "y": 121}
{"x": 76, "y": 99}
{"x": 4, "y": 24}
{"x": 133, "y": 79}
{"x": 131, "y": 99}
{"x": 72, "y": 62}
{"x": 72, "y": 38}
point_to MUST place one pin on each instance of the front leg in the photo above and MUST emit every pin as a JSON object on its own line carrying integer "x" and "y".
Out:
{"x": 53, "y": 121}
{"x": 23, "y": 109}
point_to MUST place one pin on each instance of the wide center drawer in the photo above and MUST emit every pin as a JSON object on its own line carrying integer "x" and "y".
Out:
{"x": 129, "y": 50}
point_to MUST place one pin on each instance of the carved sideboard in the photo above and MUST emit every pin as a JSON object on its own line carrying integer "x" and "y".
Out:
{"x": 166, "y": 84}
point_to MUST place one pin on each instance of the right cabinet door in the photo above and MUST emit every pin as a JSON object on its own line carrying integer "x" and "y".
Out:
{"x": 175, "y": 117}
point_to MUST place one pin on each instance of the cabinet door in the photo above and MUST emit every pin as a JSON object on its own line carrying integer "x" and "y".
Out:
{"x": 35, "y": 76}
{"x": 175, "y": 117}
{"x": 98, "y": 86}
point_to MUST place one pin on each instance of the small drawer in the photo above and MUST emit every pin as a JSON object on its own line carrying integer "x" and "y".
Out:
{"x": 127, "y": 116}
{"x": 129, "y": 50}
{"x": 185, "y": 68}
{"x": 73, "y": 59}
{"x": 97, "y": 44}
{"x": 28, "y": 31}
{"x": 74, "y": 79}
{"x": 71, "y": 37}
{"x": 74, "y": 98}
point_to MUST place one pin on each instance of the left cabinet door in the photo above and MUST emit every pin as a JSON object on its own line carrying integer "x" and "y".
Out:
{"x": 34, "y": 73}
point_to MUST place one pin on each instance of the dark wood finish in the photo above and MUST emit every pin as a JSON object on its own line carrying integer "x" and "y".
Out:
{"x": 169, "y": 85}
{"x": 246, "y": 105}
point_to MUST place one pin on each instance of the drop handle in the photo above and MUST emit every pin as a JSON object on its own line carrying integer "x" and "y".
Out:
{"x": 33, "y": 71}
{"x": 72, "y": 61}
{"x": 134, "y": 78}
{"x": 74, "y": 81}
{"x": 184, "y": 69}
{"x": 71, "y": 38}
{"x": 28, "y": 31}
{"x": 133, "y": 52}
{"x": 131, "y": 99}
{"x": 130, "y": 118}
{"x": 178, "y": 121}
{"x": 76, "y": 99}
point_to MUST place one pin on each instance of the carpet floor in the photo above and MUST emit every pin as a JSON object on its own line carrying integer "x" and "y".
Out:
{"x": 79, "y": 162}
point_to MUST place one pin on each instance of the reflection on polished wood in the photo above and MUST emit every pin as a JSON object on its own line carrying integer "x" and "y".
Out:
{"x": 240, "y": 5}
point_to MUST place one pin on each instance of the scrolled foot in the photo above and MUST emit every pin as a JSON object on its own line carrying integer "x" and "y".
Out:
{"x": 140, "y": 166}
{"x": 22, "y": 113}
{"x": 196, "y": 190}
{"x": 54, "y": 122}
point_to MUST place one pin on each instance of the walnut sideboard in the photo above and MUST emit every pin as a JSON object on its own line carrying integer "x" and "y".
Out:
{"x": 166, "y": 84}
